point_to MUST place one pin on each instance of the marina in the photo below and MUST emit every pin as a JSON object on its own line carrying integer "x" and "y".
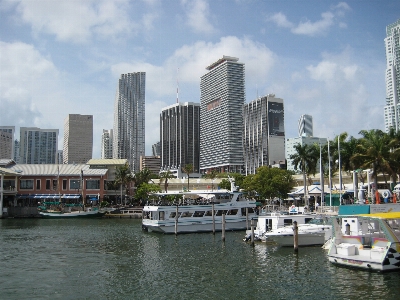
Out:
{"x": 114, "y": 259}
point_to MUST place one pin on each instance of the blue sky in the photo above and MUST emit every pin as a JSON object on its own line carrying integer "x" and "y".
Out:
{"x": 324, "y": 58}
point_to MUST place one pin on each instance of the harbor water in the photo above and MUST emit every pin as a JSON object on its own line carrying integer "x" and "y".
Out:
{"x": 114, "y": 259}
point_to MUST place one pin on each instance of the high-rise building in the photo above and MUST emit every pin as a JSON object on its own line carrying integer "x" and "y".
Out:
{"x": 222, "y": 96}
{"x": 180, "y": 136}
{"x": 107, "y": 144}
{"x": 129, "y": 119}
{"x": 78, "y": 139}
{"x": 305, "y": 125}
{"x": 16, "y": 151}
{"x": 264, "y": 133}
{"x": 392, "y": 45}
{"x": 7, "y": 142}
{"x": 38, "y": 146}
{"x": 156, "y": 149}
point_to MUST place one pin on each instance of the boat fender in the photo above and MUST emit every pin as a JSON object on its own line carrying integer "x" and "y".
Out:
{"x": 385, "y": 194}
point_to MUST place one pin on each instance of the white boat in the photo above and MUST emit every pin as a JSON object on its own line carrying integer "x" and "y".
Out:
{"x": 367, "y": 241}
{"x": 277, "y": 220}
{"x": 190, "y": 217}
{"x": 316, "y": 232}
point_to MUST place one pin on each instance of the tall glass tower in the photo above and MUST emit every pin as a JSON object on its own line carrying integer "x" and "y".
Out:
{"x": 222, "y": 96}
{"x": 129, "y": 119}
{"x": 305, "y": 125}
{"x": 392, "y": 45}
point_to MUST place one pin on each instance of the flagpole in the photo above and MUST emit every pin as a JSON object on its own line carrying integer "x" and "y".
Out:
{"x": 330, "y": 178}
{"x": 340, "y": 173}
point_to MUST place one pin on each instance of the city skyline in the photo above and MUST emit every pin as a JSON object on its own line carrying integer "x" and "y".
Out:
{"x": 325, "y": 58}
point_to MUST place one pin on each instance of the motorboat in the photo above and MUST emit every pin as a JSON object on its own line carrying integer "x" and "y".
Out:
{"x": 315, "y": 232}
{"x": 204, "y": 213}
{"x": 89, "y": 212}
{"x": 366, "y": 241}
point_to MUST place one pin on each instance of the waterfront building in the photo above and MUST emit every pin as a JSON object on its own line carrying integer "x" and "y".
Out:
{"x": 129, "y": 119}
{"x": 152, "y": 163}
{"x": 7, "y": 141}
{"x": 38, "y": 146}
{"x": 222, "y": 96}
{"x": 302, "y": 140}
{"x": 392, "y": 107}
{"x": 156, "y": 149}
{"x": 78, "y": 139}
{"x": 107, "y": 144}
{"x": 306, "y": 125}
{"x": 180, "y": 135}
{"x": 264, "y": 133}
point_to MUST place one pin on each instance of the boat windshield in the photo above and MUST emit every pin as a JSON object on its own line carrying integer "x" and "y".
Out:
{"x": 316, "y": 221}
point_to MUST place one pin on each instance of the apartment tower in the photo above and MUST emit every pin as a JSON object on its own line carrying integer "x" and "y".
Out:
{"x": 107, "y": 144}
{"x": 7, "y": 142}
{"x": 38, "y": 146}
{"x": 129, "y": 119}
{"x": 306, "y": 125}
{"x": 78, "y": 139}
{"x": 222, "y": 96}
{"x": 180, "y": 136}
{"x": 264, "y": 133}
{"x": 392, "y": 107}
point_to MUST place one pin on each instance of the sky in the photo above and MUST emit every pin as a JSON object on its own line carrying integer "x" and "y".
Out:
{"x": 323, "y": 58}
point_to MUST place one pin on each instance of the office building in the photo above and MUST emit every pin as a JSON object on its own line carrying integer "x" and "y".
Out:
{"x": 78, "y": 139}
{"x": 222, "y": 96}
{"x": 7, "y": 142}
{"x": 156, "y": 149}
{"x": 152, "y": 163}
{"x": 38, "y": 146}
{"x": 129, "y": 119}
{"x": 180, "y": 135}
{"x": 306, "y": 125}
{"x": 107, "y": 144}
{"x": 264, "y": 133}
{"x": 392, "y": 107}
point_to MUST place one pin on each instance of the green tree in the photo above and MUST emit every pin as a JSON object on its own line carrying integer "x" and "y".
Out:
{"x": 123, "y": 177}
{"x": 270, "y": 182}
{"x": 145, "y": 189}
{"x": 141, "y": 177}
{"x": 188, "y": 169}
{"x": 212, "y": 175}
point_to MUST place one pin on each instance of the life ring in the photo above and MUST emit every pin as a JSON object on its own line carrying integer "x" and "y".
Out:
{"x": 292, "y": 207}
{"x": 385, "y": 194}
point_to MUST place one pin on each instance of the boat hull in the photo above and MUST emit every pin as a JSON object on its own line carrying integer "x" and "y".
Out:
{"x": 61, "y": 215}
{"x": 305, "y": 239}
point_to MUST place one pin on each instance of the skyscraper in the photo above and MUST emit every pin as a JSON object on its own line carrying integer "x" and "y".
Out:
{"x": 305, "y": 125}
{"x": 222, "y": 96}
{"x": 129, "y": 119}
{"x": 7, "y": 142}
{"x": 78, "y": 139}
{"x": 264, "y": 133}
{"x": 180, "y": 136}
{"x": 38, "y": 146}
{"x": 106, "y": 144}
{"x": 392, "y": 45}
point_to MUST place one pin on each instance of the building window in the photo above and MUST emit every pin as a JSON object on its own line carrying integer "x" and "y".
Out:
{"x": 48, "y": 184}
{"x": 26, "y": 184}
{"x": 64, "y": 184}
{"x": 74, "y": 184}
{"x": 92, "y": 184}
{"x": 38, "y": 184}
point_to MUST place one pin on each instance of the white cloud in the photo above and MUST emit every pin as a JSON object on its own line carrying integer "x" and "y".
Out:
{"x": 78, "y": 21}
{"x": 319, "y": 27}
{"x": 197, "y": 13}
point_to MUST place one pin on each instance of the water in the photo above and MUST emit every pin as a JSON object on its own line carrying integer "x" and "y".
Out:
{"x": 114, "y": 259}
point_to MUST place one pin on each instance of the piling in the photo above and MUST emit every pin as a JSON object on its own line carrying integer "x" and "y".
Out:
{"x": 295, "y": 237}
{"x": 223, "y": 227}
{"x": 247, "y": 218}
{"x": 252, "y": 232}
{"x": 213, "y": 218}
{"x": 176, "y": 220}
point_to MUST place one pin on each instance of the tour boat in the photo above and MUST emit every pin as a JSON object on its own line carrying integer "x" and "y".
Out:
{"x": 205, "y": 214}
{"x": 367, "y": 241}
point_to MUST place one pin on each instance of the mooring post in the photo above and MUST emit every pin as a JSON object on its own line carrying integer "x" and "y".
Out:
{"x": 223, "y": 227}
{"x": 176, "y": 220}
{"x": 213, "y": 218}
{"x": 295, "y": 237}
{"x": 252, "y": 232}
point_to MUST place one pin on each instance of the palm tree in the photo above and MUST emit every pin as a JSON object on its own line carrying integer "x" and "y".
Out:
{"x": 304, "y": 160}
{"x": 164, "y": 176}
{"x": 187, "y": 169}
{"x": 123, "y": 177}
{"x": 374, "y": 152}
{"x": 212, "y": 175}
